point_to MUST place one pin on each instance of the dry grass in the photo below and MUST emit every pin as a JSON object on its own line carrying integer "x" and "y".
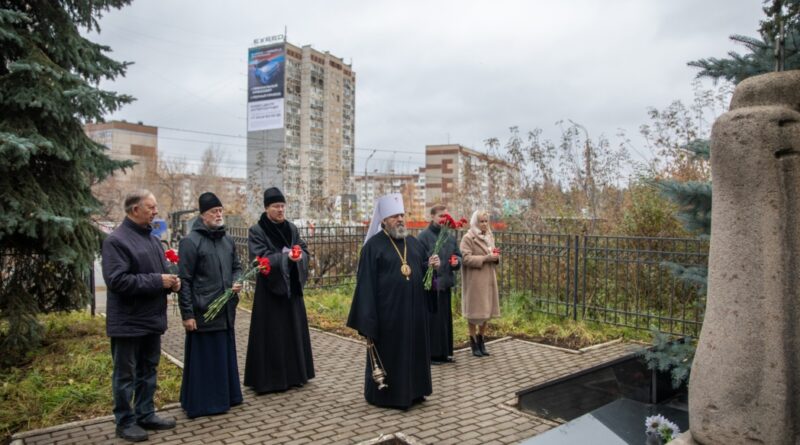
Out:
{"x": 68, "y": 378}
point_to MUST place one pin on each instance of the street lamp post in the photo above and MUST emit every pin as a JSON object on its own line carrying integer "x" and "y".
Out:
{"x": 365, "y": 182}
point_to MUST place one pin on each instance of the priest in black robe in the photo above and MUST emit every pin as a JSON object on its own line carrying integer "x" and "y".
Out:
{"x": 209, "y": 266}
{"x": 279, "y": 347}
{"x": 389, "y": 308}
{"x": 440, "y": 320}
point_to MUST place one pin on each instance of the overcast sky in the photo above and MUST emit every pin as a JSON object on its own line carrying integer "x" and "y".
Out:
{"x": 428, "y": 72}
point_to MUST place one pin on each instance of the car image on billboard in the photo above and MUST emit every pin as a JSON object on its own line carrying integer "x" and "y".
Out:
{"x": 266, "y": 70}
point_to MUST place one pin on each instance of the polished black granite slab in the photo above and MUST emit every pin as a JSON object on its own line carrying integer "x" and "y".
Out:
{"x": 617, "y": 423}
{"x": 605, "y": 404}
{"x": 572, "y": 396}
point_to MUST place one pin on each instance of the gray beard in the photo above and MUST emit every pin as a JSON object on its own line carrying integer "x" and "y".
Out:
{"x": 214, "y": 225}
{"x": 397, "y": 232}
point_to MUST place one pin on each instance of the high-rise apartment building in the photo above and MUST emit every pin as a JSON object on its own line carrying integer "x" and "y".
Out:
{"x": 465, "y": 179}
{"x": 301, "y": 130}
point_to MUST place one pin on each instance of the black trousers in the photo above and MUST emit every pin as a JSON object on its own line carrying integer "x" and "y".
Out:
{"x": 135, "y": 370}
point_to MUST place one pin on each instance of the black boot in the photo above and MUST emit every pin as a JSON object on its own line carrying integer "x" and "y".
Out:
{"x": 482, "y": 345}
{"x": 473, "y": 344}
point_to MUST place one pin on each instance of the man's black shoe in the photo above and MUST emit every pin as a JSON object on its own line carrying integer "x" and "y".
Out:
{"x": 132, "y": 433}
{"x": 157, "y": 423}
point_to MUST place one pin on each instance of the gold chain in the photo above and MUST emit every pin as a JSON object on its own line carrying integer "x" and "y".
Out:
{"x": 405, "y": 269}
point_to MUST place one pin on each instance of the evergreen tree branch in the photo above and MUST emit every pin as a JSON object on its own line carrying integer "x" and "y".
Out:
{"x": 48, "y": 88}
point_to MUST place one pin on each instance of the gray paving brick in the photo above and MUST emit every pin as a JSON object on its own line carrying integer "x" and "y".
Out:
{"x": 467, "y": 404}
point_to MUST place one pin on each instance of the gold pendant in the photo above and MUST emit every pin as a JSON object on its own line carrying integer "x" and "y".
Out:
{"x": 405, "y": 269}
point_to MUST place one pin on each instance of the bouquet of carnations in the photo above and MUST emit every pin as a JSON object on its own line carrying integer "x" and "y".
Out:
{"x": 172, "y": 257}
{"x": 260, "y": 265}
{"x": 446, "y": 224}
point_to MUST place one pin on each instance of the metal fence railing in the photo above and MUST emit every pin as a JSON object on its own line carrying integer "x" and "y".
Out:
{"x": 608, "y": 279}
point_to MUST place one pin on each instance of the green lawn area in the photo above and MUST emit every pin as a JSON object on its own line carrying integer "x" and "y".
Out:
{"x": 328, "y": 308}
{"x": 68, "y": 378}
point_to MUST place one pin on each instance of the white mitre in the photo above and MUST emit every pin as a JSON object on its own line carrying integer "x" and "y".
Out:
{"x": 385, "y": 206}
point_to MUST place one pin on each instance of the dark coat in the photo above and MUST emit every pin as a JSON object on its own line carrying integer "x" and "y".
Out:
{"x": 277, "y": 281}
{"x": 208, "y": 267}
{"x": 440, "y": 321}
{"x": 391, "y": 310}
{"x": 445, "y": 277}
{"x": 133, "y": 262}
{"x": 279, "y": 352}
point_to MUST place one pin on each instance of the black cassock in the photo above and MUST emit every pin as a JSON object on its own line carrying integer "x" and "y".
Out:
{"x": 439, "y": 297}
{"x": 391, "y": 310}
{"x": 279, "y": 346}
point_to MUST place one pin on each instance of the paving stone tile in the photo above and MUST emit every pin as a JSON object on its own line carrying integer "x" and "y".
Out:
{"x": 467, "y": 404}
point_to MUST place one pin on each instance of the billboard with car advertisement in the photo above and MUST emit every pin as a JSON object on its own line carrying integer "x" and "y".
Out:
{"x": 265, "y": 82}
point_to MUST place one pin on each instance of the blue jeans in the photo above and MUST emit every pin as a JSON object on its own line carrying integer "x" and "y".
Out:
{"x": 135, "y": 370}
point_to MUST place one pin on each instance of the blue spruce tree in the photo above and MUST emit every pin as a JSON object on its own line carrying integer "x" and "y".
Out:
{"x": 774, "y": 50}
{"x": 48, "y": 89}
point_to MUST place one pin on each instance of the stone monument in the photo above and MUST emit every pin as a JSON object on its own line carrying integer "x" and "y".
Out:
{"x": 745, "y": 382}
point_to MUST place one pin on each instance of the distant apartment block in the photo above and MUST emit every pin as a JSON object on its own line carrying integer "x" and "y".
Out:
{"x": 372, "y": 186}
{"x": 125, "y": 141}
{"x": 465, "y": 179}
{"x": 301, "y": 130}
{"x": 174, "y": 192}
{"x": 231, "y": 191}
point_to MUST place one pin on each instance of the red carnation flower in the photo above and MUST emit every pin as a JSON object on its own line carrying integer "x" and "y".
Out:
{"x": 448, "y": 221}
{"x": 171, "y": 256}
{"x": 263, "y": 265}
{"x": 259, "y": 265}
{"x": 296, "y": 251}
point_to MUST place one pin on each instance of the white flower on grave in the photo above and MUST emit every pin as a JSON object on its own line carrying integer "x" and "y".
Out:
{"x": 653, "y": 423}
{"x": 668, "y": 430}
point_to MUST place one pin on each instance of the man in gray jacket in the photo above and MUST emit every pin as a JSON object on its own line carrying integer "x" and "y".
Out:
{"x": 209, "y": 266}
{"x": 136, "y": 274}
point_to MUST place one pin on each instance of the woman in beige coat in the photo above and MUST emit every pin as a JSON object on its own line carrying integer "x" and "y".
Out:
{"x": 479, "y": 296}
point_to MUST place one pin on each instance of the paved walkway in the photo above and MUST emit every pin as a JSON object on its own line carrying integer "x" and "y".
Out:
{"x": 472, "y": 400}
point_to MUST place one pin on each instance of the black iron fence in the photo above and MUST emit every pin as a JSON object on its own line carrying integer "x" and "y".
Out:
{"x": 334, "y": 252}
{"x": 609, "y": 279}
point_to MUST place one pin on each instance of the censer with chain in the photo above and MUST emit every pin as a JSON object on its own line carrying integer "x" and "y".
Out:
{"x": 378, "y": 373}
